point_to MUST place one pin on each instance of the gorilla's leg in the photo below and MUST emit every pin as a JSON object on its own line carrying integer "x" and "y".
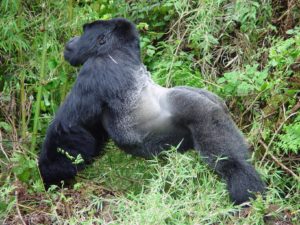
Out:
{"x": 56, "y": 165}
{"x": 219, "y": 141}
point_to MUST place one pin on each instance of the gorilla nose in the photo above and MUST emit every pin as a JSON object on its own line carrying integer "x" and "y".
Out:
{"x": 71, "y": 43}
{"x": 68, "y": 47}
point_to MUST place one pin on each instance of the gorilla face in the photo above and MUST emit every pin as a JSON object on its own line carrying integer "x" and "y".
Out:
{"x": 99, "y": 38}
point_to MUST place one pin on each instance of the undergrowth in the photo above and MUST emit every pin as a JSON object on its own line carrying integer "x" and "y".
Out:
{"x": 248, "y": 52}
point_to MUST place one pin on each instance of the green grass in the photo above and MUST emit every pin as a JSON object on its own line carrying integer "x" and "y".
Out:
{"x": 180, "y": 189}
{"x": 171, "y": 189}
{"x": 247, "y": 52}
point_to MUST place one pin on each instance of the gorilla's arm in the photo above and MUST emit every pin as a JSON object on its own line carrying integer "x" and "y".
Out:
{"x": 76, "y": 129}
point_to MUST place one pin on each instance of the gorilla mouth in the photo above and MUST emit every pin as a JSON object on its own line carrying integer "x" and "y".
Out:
{"x": 67, "y": 52}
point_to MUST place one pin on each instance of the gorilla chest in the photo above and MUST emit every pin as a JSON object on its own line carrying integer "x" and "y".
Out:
{"x": 144, "y": 114}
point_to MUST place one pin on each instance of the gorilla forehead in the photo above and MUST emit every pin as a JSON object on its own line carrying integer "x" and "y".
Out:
{"x": 107, "y": 23}
{"x": 97, "y": 24}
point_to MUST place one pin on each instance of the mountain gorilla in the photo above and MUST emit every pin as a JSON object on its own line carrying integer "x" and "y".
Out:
{"x": 115, "y": 97}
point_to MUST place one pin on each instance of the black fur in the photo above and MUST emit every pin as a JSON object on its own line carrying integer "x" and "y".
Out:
{"x": 114, "y": 97}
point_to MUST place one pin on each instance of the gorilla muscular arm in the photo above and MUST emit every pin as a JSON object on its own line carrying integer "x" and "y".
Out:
{"x": 76, "y": 129}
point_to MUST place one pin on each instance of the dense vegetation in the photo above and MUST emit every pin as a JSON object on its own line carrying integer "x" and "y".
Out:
{"x": 246, "y": 51}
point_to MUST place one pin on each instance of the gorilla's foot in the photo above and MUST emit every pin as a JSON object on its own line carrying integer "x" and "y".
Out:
{"x": 243, "y": 182}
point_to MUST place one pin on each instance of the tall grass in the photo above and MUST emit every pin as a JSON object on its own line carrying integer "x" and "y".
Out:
{"x": 40, "y": 84}
{"x": 245, "y": 51}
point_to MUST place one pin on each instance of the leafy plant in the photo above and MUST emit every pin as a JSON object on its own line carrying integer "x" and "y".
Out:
{"x": 27, "y": 171}
{"x": 75, "y": 160}
{"x": 289, "y": 140}
{"x": 285, "y": 52}
{"x": 243, "y": 83}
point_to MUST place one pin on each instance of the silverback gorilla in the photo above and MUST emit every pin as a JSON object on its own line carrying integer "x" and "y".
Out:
{"x": 114, "y": 97}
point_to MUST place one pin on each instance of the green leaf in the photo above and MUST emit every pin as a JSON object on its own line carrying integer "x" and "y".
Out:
{"x": 244, "y": 89}
{"x": 150, "y": 52}
{"x": 52, "y": 64}
{"x": 6, "y": 127}
{"x": 3, "y": 206}
{"x": 24, "y": 176}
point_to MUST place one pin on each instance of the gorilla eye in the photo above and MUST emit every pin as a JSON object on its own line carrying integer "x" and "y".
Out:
{"x": 101, "y": 39}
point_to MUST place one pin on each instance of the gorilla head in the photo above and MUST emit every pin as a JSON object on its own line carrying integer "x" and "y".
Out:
{"x": 99, "y": 38}
{"x": 114, "y": 97}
